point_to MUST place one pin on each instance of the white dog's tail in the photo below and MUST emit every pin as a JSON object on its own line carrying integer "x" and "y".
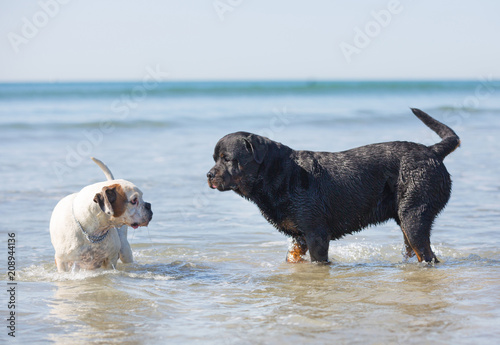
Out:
{"x": 105, "y": 169}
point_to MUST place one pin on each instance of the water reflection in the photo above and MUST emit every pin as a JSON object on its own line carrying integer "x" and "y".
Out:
{"x": 94, "y": 310}
{"x": 316, "y": 298}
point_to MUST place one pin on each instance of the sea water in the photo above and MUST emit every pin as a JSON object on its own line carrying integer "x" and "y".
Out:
{"x": 209, "y": 269}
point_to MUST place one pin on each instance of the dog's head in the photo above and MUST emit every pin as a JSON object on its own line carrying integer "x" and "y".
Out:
{"x": 237, "y": 159}
{"x": 122, "y": 201}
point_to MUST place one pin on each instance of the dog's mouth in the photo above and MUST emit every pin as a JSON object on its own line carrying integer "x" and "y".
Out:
{"x": 220, "y": 185}
{"x": 137, "y": 225}
{"x": 144, "y": 221}
{"x": 213, "y": 183}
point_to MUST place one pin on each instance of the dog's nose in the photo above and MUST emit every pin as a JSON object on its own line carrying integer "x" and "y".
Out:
{"x": 147, "y": 206}
{"x": 210, "y": 174}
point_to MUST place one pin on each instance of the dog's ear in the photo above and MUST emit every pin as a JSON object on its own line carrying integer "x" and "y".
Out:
{"x": 105, "y": 199}
{"x": 111, "y": 200}
{"x": 257, "y": 146}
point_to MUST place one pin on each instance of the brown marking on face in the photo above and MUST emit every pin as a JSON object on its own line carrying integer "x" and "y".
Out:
{"x": 120, "y": 202}
{"x": 112, "y": 200}
{"x": 241, "y": 187}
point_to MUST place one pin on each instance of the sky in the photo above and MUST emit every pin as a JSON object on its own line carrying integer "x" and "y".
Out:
{"x": 118, "y": 40}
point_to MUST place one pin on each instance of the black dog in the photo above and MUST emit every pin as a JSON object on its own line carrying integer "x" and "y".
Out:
{"x": 315, "y": 197}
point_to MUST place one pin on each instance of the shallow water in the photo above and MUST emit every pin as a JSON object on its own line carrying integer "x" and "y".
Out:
{"x": 209, "y": 269}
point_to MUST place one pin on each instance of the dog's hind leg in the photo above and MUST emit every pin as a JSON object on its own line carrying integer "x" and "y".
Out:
{"x": 416, "y": 229}
{"x": 424, "y": 188}
{"x": 409, "y": 250}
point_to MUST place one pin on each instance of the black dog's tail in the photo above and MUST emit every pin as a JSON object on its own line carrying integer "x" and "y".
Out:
{"x": 450, "y": 139}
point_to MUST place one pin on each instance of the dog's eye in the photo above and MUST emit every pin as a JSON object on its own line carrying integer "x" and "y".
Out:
{"x": 133, "y": 201}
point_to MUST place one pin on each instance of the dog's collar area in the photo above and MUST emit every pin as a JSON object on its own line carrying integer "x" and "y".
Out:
{"x": 91, "y": 238}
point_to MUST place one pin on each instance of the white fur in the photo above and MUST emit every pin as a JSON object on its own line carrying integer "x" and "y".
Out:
{"x": 72, "y": 247}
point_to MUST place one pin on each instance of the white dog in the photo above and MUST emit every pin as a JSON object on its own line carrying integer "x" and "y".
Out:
{"x": 88, "y": 229}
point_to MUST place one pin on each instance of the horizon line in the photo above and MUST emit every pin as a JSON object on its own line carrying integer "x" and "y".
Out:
{"x": 244, "y": 80}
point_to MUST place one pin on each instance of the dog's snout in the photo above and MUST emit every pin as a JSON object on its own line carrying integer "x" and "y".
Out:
{"x": 210, "y": 174}
{"x": 147, "y": 206}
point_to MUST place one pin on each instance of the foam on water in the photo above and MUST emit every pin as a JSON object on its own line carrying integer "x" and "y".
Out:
{"x": 153, "y": 263}
{"x": 176, "y": 270}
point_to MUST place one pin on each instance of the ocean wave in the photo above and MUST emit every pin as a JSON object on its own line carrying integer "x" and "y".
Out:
{"x": 135, "y": 124}
{"x": 297, "y": 116}
{"x": 226, "y": 88}
{"x": 458, "y": 109}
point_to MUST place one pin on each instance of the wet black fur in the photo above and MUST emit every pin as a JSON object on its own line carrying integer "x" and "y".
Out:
{"x": 316, "y": 197}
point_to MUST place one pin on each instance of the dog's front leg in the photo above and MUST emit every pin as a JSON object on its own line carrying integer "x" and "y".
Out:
{"x": 126, "y": 255}
{"x": 297, "y": 250}
{"x": 318, "y": 242}
{"x": 61, "y": 265}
